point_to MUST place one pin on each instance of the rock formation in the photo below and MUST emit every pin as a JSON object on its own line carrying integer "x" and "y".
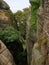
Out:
{"x": 6, "y": 19}
{"x": 40, "y": 51}
{"x": 4, "y": 5}
{"x": 6, "y": 16}
{"x": 5, "y": 56}
{"x": 44, "y": 36}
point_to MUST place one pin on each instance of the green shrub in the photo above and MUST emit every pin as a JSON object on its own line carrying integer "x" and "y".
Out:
{"x": 10, "y": 34}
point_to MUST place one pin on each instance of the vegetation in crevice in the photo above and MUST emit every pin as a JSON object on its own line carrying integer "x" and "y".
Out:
{"x": 17, "y": 30}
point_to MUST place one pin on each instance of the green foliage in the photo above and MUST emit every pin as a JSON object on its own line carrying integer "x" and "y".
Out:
{"x": 20, "y": 24}
{"x": 18, "y": 15}
{"x": 33, "y": 21}
{"x": 10, "y": 34}
{"x": 34, "y": 8}
{"x": 26, "y": 12}
{"x": 22, "y": 15}
{"x": 35, "y": 4}
{"x": 21, "y": 19}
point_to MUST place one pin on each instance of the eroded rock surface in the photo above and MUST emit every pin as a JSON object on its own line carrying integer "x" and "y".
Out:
{"x": 6, "y": 16}
{"x": 5, "y": 55}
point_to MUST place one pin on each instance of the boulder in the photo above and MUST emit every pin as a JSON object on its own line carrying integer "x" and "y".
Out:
{"x": 4, "y": 5}
{"x": 5, "y": 55}
{"x": 6, "y": 15}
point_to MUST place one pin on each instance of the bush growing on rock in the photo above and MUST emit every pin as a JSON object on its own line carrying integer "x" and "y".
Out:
{"x": 10, "y": 34}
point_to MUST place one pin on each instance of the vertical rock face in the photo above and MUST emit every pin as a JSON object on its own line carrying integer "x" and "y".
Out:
{"x": 40, "y": 52}
{"x": 5, "y": 56}
{"x": 43, "y": 31}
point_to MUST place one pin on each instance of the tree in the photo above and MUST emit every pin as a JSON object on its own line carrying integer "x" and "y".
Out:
{"x": 21, "y": 21}
{"x": 18, "y": 16}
